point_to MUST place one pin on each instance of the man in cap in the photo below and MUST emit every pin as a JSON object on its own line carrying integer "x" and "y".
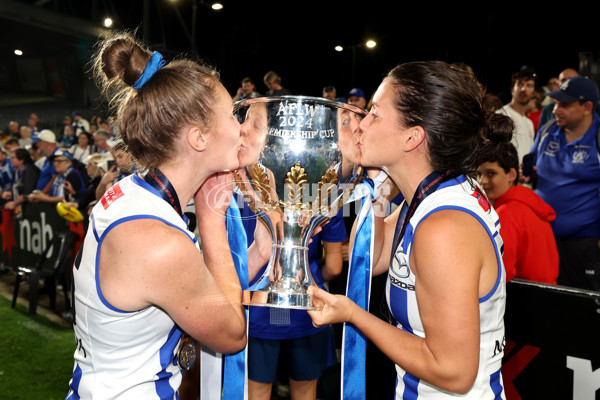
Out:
{"x": 568, "y": 178}
{"x": 357, "y": 97}
{"x": 46, "y": 145}
{"x": 68, "y": 180}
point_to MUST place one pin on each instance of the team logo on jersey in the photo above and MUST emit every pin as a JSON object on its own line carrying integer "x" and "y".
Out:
{"x": 579, "y": 157}
{"x": 481, "y": 199}
{"x": 400, "y": 266}
{"x": 399, "y": 270}
{"x": 111, "y": 195}
{"x": 551, "y": 148}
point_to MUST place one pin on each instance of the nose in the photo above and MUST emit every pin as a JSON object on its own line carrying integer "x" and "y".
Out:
{"x": 364, "y": 123}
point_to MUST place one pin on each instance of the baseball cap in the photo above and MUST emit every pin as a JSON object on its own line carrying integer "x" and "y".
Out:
{"x": 75, "y": 113}
{"x": 61, "y": 153}
{"x": 357, "y": 92}
{"x": 577, "y": 88}
{"x": 46, "y": 135}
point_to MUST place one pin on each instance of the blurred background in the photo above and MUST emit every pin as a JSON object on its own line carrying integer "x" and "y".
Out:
{"x": 45, "y": 45}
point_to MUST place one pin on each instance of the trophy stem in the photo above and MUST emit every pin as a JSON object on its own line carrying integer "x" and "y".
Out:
{"x": 287, "y": 277}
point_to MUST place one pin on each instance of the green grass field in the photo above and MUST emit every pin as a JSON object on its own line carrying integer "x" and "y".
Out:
{"x": 36, "y": 355}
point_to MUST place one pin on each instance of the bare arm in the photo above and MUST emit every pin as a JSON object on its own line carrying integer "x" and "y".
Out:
{"x": 448, "y": 286}
{"x": 146, "y": 262}
{"x": 333, "y": 260}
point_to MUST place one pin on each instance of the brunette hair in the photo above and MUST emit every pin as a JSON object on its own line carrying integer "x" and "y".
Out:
{"x": 447, "y": 103}
{"x": 23, "y": 155}
{"x": 151, "y": 118}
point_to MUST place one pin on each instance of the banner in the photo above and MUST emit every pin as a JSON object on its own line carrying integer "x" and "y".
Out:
{"x": 23, "y": 238}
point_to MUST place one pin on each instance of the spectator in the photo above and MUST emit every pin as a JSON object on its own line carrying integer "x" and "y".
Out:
{"x": 535, "y": 109}
{"x": 552, "y": 84}
{"x": 529, "y": 245}
{"x": 330, "y": 92}
{"x": 69, "y": 138}
{"x": 33, "y": 124}
{"x": 3, "y": 137}
{"x": 24, "y": 179}
{"x": 25, "y": 136}
{"x": 101, "y": 140}
{"x": 568, "y": 178}
{"x": 6, "y": 171}
{"x": 36, "y": 156}
{"x": 523, "y": 88}
{"x": 83, "y": 148}
{"x": 356, "y": 97}
{"x": 546, "y": 114}
{"x": 66, "y": 172}
{"x": 246, "y": 91}
{"x": 273, "y": 83}
{"x": 79, "y": 123}
{"x": 11, "y": 144}
{"x": 46, "y": 146}
{"x": 13, "y": 129}
{"x": 84, "y": 200}
{"x": 67, "y": 121}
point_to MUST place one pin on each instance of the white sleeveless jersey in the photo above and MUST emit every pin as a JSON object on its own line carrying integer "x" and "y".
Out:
{"x": 465, "y": 195}
{"x": 120, "y": 354}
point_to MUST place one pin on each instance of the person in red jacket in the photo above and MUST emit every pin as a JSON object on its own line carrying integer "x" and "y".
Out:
{"x": 529, "y": 245}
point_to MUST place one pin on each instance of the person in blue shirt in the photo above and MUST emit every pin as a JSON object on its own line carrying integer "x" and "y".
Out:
{"x": 568, "y": 179}
{"x": 47, "y": 146}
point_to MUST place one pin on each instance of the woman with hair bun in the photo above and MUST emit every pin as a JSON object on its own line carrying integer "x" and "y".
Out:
{"x": 441, "y": 249}
{"x": 140, "y": 280}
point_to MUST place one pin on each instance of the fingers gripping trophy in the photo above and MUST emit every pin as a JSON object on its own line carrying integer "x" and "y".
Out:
{"x": 306, "y": 171}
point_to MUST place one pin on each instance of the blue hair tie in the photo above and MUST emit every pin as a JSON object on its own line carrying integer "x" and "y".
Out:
{"x": 155, "y": 63}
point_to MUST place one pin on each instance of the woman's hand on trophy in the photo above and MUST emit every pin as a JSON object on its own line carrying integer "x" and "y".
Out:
{"x": 333, "y": 308}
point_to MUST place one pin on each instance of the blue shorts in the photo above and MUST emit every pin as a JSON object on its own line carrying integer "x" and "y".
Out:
{"x": 301, "y": 359}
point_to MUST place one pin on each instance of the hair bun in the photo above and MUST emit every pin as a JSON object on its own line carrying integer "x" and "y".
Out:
{"x": 123, "y": 57}
{"x": 499, "y": 127}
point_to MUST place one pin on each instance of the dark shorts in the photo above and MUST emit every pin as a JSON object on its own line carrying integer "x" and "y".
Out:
{"x": 579, "y": 263}
{"x": 301, "y": 359}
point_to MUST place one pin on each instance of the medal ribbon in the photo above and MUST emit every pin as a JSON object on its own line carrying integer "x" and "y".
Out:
{"x": 425, "y": 188}
{"x": 234, "y": 373}
{"x": 358, "y": 290}
{"x": 161, "y": 184}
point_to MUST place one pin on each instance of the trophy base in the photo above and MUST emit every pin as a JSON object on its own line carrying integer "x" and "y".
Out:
{"x": 279, "y": 299}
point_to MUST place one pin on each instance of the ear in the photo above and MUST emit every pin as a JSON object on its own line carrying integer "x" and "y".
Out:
{"x": 415, "y": 136}
{"x": 512, "y": 176}
{"x": 197, "y": 138}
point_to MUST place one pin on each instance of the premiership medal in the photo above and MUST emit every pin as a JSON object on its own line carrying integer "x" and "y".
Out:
{"x": 187, "y": 353}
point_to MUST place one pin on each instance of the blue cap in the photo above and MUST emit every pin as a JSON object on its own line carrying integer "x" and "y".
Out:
{"x": 59, "y": 153}
{"x": 578, "y": 88}
{"x": 357, "y": 92}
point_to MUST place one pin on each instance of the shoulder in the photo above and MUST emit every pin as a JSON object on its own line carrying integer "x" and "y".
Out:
{"x": 158, "y": 244}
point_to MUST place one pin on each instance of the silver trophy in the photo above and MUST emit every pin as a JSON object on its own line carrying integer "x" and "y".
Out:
{"x": 307, "y": 168}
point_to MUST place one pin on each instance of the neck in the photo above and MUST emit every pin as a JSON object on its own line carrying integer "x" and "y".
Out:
{"x": 518, "y": 108}
{"x": 186, "y": 181}
{"x": 408, "y": 179}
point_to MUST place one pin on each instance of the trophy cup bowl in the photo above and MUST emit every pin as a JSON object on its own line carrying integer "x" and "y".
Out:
{"x": 306, "y": 170}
